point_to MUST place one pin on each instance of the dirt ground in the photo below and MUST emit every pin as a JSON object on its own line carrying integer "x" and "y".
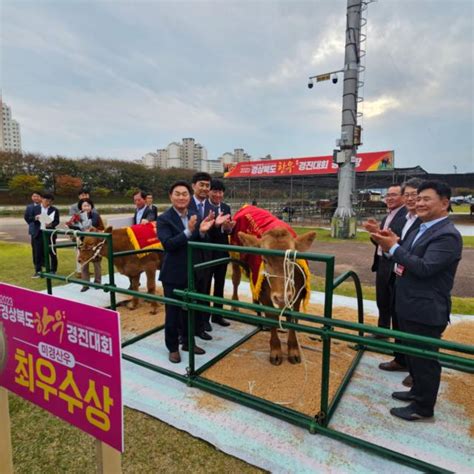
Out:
{"x": 248, "y": 368}
{"x": 358, "y": 257}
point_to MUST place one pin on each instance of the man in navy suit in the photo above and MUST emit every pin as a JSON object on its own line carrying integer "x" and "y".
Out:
{"x": 426, "y": 264}
{"x": 199, "y": 204}
{"x": 175, "y": 227}
{"x": 143, "y": 214}
{"x": 409, "y": 193}
{"x": 29, "y": 217}
{"x": 382, "y": 265}
{"x": 46, "y": 216}
{"x": 220, "y": 235}
{"x": 150, "y": 205}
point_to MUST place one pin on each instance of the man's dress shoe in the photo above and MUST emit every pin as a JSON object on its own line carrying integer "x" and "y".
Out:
{"x": 204, "y": 335}
{"x": 221, "y": 322}
{"x": 408, "y": 381}
{"x": 409, "y": 413}
{"x": 174, "y": 357}
{"x": 197, "y": 350}
{"x": 392, "y": 366}
{"x": 404, "y": 396}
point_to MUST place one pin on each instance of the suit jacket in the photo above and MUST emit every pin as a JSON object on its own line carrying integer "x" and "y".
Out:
{"x": 423, "y": 292}
{"x": 170, "y": 231}
{"x": 154, "y": 210}
{"x": 216, "y": 235}
{"x": 37, "y": 224}
{"x": 202, "y": 255}
{"x": 149, "y": 214}
{"x": 396, "y": 226}
{"x": 30, "y": 217}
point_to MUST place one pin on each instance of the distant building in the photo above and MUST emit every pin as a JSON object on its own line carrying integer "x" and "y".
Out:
{"x": 238, "y": 156}
{"x": 187, "y": 154}
{"x": 10, "y": 138}
{"x": 214, "y": 166}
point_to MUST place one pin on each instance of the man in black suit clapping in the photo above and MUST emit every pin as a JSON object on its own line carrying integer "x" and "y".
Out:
{"x": 220, "y": 235}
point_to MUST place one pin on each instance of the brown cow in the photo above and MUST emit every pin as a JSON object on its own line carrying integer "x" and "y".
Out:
{"x": 130, "y": 265}
{"x": 273, "y": 287}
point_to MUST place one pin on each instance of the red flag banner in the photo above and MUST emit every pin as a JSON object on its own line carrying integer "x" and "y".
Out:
{"x": 310, "y": 165}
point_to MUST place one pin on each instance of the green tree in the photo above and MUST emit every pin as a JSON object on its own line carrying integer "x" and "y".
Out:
{"x": 101, "y": 192}
{"x": 24, "y": 184}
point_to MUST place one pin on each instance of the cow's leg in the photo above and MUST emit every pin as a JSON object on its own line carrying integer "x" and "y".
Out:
{"x": 276, "y": 357}
{"x": 134, "y": 285}
{"x": 236, "y": 277}
{"x": 151, "y": 287}
{"x": 294, "y": 356}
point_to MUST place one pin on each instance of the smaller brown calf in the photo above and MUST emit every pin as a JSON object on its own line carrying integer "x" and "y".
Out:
{"x": 130, "y": 265}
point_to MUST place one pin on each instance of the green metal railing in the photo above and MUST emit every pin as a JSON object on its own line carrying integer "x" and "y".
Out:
{"x": 324, "y": 326}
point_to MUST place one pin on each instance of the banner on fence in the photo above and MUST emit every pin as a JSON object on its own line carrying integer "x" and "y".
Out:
{"x": 311, "y": 165}
{"x": 64, "y": 357}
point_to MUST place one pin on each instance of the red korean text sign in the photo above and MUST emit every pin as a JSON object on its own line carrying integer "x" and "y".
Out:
{"x": 309, "y": 165}
{"x": 64, "y": 357}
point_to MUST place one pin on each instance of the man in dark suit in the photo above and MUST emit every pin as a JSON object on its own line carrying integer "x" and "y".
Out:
{"x": 46, "y": 216}
{"x": 29, "y": 217}
{"x": 426, "y": 264}
{"x": 175, "y": 227}
{"x": 199, "y": 204}
{"x": 151, "y": 206}
{"x": 219, "y": 235}
{"x": 409, "y": 193}
{"x": 382, "y": 265}
{"x": 143, "y": 214}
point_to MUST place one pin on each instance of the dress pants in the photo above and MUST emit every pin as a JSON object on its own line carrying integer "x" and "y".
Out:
{"x": 38, "y": 254}
{"x": 384, "y": 285}
{"x": 218, "y": 274}
{"x": 426, "y": 373}
{"x": 86, "y": 274}
{"x": 203, "y": 285}
{"x": 398, "y": 356}
{"x": 176, "y": 319}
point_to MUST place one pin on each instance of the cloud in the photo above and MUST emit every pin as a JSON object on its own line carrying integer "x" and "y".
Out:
{"x": 376, "y": 107}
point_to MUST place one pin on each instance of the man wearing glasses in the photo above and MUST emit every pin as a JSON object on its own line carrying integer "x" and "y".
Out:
{"x": 409, "y": 194}
{"x": 382, "y": 264}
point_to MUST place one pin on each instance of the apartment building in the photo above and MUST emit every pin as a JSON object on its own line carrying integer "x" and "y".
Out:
{"x": 10, "y": 137}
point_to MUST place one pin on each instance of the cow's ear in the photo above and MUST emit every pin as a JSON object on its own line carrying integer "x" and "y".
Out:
{"x": 303, "y": 242}
{"x": 108, "y": 230}
{"x": 249, "y": 240}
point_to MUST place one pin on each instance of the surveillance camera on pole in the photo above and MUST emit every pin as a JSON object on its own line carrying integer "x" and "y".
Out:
{"x": 343, "y": 224}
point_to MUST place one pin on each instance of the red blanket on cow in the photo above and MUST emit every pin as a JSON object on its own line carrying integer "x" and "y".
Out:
{"x": 143, "y": 236}
{"x": 256, "y": 221}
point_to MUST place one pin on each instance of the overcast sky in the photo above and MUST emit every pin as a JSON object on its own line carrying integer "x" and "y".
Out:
{"x": 120, "y": 79}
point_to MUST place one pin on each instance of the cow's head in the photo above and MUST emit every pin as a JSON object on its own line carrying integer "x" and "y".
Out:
{"x": 91, "y": 246}
{"x": 278, "y": 239}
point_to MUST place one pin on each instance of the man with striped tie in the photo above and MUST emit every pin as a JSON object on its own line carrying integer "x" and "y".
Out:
{"x": 426, "y": 264}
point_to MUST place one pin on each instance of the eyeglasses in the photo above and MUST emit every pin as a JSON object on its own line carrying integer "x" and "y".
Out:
{"x": 393, "y": 195}
{"x": 411, "y": 195}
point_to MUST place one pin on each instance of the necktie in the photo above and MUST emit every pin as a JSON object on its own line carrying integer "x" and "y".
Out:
{"x": 201, "y": 210}
{"x": 421, "y": 231}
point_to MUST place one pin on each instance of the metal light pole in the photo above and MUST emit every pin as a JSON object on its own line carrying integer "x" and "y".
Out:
{"x": 343, "y": 224}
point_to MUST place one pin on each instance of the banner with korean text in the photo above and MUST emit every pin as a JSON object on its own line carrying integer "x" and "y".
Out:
{"x": 64, "y": 357}
{"x": 308, "y": 165}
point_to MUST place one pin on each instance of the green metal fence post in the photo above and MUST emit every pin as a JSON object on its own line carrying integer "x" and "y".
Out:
{"x": 110, "y": 252}
{"x": 49, "y": 283}
{"x": 191, "y": 315}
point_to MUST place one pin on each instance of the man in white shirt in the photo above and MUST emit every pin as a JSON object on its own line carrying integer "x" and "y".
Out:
{"x": 382, "y": 266}
{"x": 409, "y": 195}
